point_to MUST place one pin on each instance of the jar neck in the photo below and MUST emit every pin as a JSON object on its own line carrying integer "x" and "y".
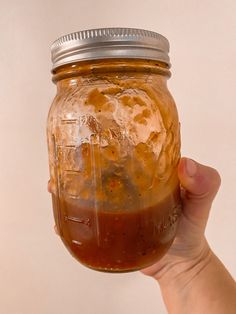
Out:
{"x": 65, "y": 74}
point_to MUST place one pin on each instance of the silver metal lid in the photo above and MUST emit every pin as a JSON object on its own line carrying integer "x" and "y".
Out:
{"x": 110, "y": 43}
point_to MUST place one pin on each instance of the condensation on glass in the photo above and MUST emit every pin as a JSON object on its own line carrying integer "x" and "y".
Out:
{"x": 114, "y": 147}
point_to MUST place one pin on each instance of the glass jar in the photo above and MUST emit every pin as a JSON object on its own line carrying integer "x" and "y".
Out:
{"x": 114, "y": 147}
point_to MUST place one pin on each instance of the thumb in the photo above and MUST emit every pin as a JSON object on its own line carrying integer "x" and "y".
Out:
{"x": 200, "y": 185}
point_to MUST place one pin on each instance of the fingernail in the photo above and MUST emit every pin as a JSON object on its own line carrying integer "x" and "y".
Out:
{"x": 191, "y": 167}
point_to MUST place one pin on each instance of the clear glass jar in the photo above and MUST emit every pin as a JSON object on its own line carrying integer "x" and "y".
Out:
{"x": 114, "y": 147}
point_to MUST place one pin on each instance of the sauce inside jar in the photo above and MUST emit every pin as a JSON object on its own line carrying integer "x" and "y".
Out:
{"x": 118, "y": 241}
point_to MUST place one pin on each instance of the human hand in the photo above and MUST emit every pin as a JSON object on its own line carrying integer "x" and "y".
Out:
{"x": 199, "y": 186}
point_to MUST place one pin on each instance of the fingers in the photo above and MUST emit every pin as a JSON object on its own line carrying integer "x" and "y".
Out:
{"x": 50, "y": 191}
{"x": 200, "y": 184}
{"x": 56, "y": 230}
{"x": 49, "y": 186}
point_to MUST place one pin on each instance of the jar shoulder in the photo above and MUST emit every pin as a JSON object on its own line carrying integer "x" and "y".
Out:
{"x": 96, "y": 95}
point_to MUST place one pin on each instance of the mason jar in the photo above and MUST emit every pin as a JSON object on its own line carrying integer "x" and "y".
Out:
{"x": 114, "y": 147}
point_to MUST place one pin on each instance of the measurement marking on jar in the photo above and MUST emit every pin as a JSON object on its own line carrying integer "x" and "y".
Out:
{"x": 66, "y": 146}
{"x": 76, "y": 242}
{"x": 69, "y": 121}
{"x": 72, "y": 171}
{"x": 78, "y": 220}
{"x": 74, "y": 197}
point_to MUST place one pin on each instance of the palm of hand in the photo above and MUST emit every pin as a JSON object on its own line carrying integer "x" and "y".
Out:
{"x": 186, "y": 247}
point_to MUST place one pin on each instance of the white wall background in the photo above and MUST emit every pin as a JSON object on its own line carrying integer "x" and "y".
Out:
{"x": 37, "y": 275}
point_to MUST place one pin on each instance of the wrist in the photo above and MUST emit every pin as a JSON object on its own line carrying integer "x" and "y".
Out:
{"x": 202, "y": 285}
{"x": 177, "y": 278}
{"x": 182, "y": 271}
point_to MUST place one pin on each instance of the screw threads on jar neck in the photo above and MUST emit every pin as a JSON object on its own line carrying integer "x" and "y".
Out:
{"x": 110, "y": 67}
